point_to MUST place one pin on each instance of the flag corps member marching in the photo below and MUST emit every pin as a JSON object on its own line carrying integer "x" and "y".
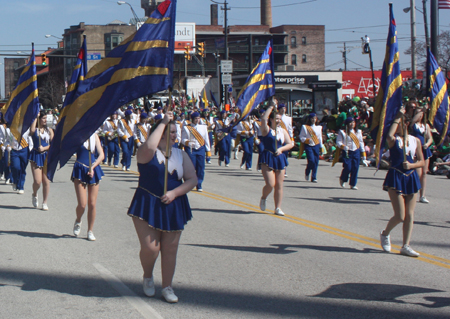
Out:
{"x": 195, "y": 139}
{"x": 311, "y": 138}
{"x": 126, "y": 133}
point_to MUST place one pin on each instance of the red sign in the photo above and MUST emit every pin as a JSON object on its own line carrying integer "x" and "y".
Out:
{"x": 359, "y": 83}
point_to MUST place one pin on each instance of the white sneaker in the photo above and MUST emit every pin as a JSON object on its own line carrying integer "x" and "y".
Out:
{"x": 279, "y": 212}
{"x": 341, "y": 182}
{"x": 116, "y": 166}
{"x": 408, "y": 251}
{"x": 2, "y": 178}
{"x": 249, "y": 169}
{"x": 34, "y": 200}
{"x": 242, "y": 166}
{"x": 258, "y": 170}
{"x": 385, "y": 242}
{"x": 306, "y": 177}
{"x": 424, "y": 200}
{"x": 220, "y": 163}
{"x": 21, "y": 191}
{"x": 149, "y": 287}
{"x": 208, "y": 162}
{"x": 90, "y": 236}
{"x": 123, "y": 168}
{"x": 8, "y": 182}
{"x": 227, "y": 165}
{"x": 44, "y": 207}
{"x": 262, "y": 204}
{"x": 76, "y": 228}
{"x": 14, "y": 187}
{"x": 285, "y": 175}
{"x": 169, "y": 295}
{"x": 354, "y": 187}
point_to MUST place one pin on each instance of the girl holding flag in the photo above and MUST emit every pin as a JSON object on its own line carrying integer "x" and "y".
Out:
{"x": 273, "y": 161}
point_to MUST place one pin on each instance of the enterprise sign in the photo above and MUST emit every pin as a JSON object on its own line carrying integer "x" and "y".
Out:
{"x": 296, "y": 80}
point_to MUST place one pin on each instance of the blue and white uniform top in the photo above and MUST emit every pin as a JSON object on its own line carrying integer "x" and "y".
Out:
{"x": 287, "y": 120}
{"x": 110, "y": 128}
{"x": 268, "y": 157}
{"x": 343, "y": 139}
{"x": 245, "y": 129}
{"x": 141, "y": 132}
{"x": 35, "y": 156}
{"x": 19, "y": 145}
{"x": 305, "y": 134}
{"x": 126, "y": 128}
{"x": 403, "y": 181}
{"x": 81, "y": 165}
{"x": 4, "y": 141}
{"x": 188, "y": 135}
{"x": 419, "y": 130}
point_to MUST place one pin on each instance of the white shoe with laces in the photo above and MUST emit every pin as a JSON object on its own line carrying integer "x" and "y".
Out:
{"x": 44, "y": 207}
{"x": 385, "y": 242}
{"x": 354, "y": 187}
{"x": 149, "y": 287}
{"x": 262, "y": 204}
{"x": 408, "y": 251}
{"x": 76, "y": 228}
{"x": 21, "y": 191}
{"x": 342, "y": 183}
{"x": 424, "y": 200}
{"x": 169, "y": 295}
{"x": 90, "y": 236}
{"x": 34, "y": 200}
{"x": 279, "y": 212}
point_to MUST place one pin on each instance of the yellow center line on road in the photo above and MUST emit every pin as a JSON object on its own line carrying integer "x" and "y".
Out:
{"x": 431, "y": 259}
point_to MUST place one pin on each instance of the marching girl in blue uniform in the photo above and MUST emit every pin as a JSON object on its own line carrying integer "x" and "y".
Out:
{"x": 160, "y": 218}
{"x": 402, "y": 182}
{"x": 223, "y": 139}
{"x": 311, "y": 138}
{"x": 42, "y": 136}
{"x": 87, "y": 173}
{"x": 273, "y": 161}
{"x": 422, "y": 131}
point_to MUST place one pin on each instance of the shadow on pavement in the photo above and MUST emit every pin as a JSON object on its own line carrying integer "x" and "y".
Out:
{"x": 33, "y": 234}
{"x": 14, "y": 207}
{"x": 284, "y": 249}
{"x": 224, "y": 211}
{"x": 348, "y": 200}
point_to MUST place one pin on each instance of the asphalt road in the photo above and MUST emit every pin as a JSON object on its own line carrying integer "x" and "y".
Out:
{"x": 322, "y": 260}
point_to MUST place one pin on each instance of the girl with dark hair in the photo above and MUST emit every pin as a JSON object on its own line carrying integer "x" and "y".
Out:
{"x": 421, "y": 130}
{"x": 42, "y": 137}
{"x": 276, "y": 140}
{"x": 402, "y": 181}
{"x": 159, "y": 218}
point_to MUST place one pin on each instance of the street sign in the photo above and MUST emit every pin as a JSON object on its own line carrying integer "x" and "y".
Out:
{"x": 94, "y": 56}
{"x": 230, "y": 89}
{"x": 226, "y": 66}
{"x": 226, "y": 79}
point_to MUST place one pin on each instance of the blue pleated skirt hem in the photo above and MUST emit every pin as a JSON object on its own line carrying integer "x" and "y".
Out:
{"x": 38, "y": 158}
{"x": 80, "y": 172}
{"x": 166, "y": 218}
{"x": 276, "y": 163}
{"x": 401, "y": 183}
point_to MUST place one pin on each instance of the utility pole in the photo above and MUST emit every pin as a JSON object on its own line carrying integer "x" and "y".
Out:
{"x": 413, "y": 39}
{"x": 344, "y": 55}
{"x": 434, "y": 28}
{"x": 425, "y": 22}
{"x": 225, "y": 8}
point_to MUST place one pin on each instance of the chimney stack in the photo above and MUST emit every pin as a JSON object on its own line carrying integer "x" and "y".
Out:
{"x": 214, "y": 14}
{"x": 266, "y": 12}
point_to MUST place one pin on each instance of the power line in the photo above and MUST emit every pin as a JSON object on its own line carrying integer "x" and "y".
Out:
{"x": 281, "y": 5}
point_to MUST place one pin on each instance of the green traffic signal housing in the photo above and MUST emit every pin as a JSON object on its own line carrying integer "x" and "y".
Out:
{"x": 43, "y": 59}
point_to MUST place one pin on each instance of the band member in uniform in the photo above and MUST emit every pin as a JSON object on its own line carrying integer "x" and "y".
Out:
{"x": 87, "y": 173}
{"x": 421, "y": 130}
{"x": 110, "y": 129}
{"x": 246, "y": 133}
{"x": 208, "y": 120}
{"x": 19, "y": 160}
{"x": 273, "y": 160}
{"x": 5, "y": 149}
{"x": 257, "y": 128}
{"x": 126, "y": 134}
{"x": 402, "y": 181}
{"x": 160, "y": 218}
{"x": 42, "y": 136}
{"x": 311, "y": 138}
{"x": 142, "y": 129}
{"x": 103, "y": 140}
{"x": 196, "y": 144}
{"x": 286, "y": 123}
{"x": 223, "y": 139}
{"x": 351, "y": 142}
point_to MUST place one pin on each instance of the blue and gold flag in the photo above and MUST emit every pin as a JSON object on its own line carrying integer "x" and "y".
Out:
{"x": 389, "y": 98}
{"x": 439, "y": 113}
{"x": 23, "y": 105}
{"x": 141, "y": 65}
{"x": 204, "y": 100}
{"x": 213, "y": 98}
{"x": 260, "y": 84}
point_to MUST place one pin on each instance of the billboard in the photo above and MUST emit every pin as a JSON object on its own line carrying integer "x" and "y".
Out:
{"x": 184, "y": 36}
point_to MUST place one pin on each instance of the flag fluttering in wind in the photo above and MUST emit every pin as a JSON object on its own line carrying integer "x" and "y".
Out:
{"x": 23, "y": 105}
{"x": 439, "y": 113}
{"x": 204, "y": 100}
{"x": 444, "y": 4}
{"x": 213, "y": 98}
{"x": 140, "y": 65}
{"x": 389, "y": 98}
{"x": 260, "y": 84}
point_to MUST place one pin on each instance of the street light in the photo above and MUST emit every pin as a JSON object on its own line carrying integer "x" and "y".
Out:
{"x": 51, "y": 35}
{"x": 136, "y": 18}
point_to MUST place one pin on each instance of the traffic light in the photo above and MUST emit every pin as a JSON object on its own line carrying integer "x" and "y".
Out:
{"x": 43, "y": 59}
{"x": 201, "y": 49}
{"x": 187, "y": 55}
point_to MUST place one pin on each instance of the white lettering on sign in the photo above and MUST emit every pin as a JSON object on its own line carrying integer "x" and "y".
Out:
{"x": 293, "y": 80}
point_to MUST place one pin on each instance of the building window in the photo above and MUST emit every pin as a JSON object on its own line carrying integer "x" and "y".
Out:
{"x": 256, "y": 41}
{"x": 294, "y": 59}
{"x": 112, "y": 40}
{"x": 303, "y": 40}
{"x": 293, "y": 42}
{"x": 304, "y": 58}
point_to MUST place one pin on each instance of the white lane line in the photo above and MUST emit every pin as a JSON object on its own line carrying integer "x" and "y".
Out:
{"x": 144, "y": 308}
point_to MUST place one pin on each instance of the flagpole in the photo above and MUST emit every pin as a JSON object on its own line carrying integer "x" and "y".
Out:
{"x": 404, "y": 138}
{"x": 90, "y": 159}
{"x": 168, "y": 149}
{"x": 39, "y": 129}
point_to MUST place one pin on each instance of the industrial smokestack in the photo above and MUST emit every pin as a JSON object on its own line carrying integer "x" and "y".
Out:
{"x": 266, "y": 12}
{"x": 214, "y": 14}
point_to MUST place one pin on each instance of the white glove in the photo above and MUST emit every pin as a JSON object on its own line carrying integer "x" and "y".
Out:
{"x": 139, "y": 144}
{"x": 8, "y": 148}
{"x": 3, "y": 148}
{"x": 257, "y": 141}
{"x": 127, "y": 140}
{"x": 346, "y": 148}
{"x": 364, "y": 158}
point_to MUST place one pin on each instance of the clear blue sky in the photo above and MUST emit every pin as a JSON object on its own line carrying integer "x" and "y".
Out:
{"x": 26, "y": 21}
